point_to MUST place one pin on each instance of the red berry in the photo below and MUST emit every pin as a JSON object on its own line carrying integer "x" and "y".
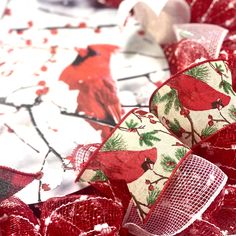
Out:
{"x": 7, "y": 12}
{"x": 147, "y": 181}
{"x": 46, "y": 187}
{"x": 54, "y": 31}
{"x": 153, "y": 121}
{"x": 150, "y": 187}
{"x": 39, "y": 92}
{"x": 28, "y": 42}
{"x": 19, "y": 32}
{"x": 30, "y": 23}
{"x": 97, "y": 30}
{"x": 184, "y": 112}
{"x": 44, "y": 68}
{"x": 45, "y": 40}
{"x": 10, "y": 130}
{"x": 141, "y": 32}
{"x": 53, "y": 50}
{"x": 210, "y": 122}
{"x": 41, "y": 83}
{"x": 82, "y": 25}
{"x": 210, "y": 117}
{"x": 45, "y": 90}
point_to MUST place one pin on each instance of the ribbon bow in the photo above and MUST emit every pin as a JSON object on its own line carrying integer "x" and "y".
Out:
{"x": 161, "y": 172}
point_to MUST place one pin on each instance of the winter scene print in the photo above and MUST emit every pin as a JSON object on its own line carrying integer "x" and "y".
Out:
{"x": 65, "y": 86}
{"x": 117, "y": 117}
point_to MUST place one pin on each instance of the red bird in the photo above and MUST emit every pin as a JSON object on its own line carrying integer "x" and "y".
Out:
{"x": 124, "y": 165}
{"x": 90, "y": 74}
{"x": 196, "y": 95}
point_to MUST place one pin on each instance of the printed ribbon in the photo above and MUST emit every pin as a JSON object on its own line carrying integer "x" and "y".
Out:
{"x": 160, "y": 172}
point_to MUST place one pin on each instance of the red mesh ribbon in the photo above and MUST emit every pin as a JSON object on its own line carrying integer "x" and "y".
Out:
{"x": 192, "y": 201}
{"x": 73, "y": 215}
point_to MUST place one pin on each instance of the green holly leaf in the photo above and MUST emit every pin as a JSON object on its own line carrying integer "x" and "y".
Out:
{"x": 131, "y": 124}
{"x": 148, "y": 138}
{"x": 152, "y": 196}
{"x": 180, "y": 153}
{"x": 168, "y": 163}
{"x": 175, "y": 126}
{"x": 208, "y": 130}
{"x": 227, "y": 87}
{"x": 177, "y": 104}
{"x": 232, "y": 112}
{"x": 199, "y": 72}
{"x": 99, "y": 176}
{"x": 156, "y": 98}
{"x": 114, "y": 143}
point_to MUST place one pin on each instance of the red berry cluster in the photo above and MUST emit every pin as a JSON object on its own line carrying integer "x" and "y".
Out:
{"x": 210, "y": 120}
{"x": 184, "y": 112}
{"x": 43, "y": 90}
{"x": 150, "y": 187}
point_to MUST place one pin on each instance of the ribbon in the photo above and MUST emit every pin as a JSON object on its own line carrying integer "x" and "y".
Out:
{"x": 148, "y": 178}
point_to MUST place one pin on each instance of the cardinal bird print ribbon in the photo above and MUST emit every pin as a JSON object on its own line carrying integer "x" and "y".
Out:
{"x": 167, "y": 171}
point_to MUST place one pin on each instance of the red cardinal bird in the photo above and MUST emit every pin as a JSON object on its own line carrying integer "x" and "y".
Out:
{"x": 124, "y": 165}
{"x": 196, "y": 95}
{"x": 90, "y": 74}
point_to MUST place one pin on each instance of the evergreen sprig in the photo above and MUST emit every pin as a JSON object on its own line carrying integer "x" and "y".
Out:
{"x": 168, "y": 163}
{"x": 171, "y": 98}
{"x": 114, "y": 143}
{"x": 131, "y": 124}
{"x": 199, "y": 72}
{"x": 219, "y": 67}
{"x": 99, "y": 176}
{"x": 232, "y": 112}
{"x": 152, "y": 196}
{"x": 208, "y": 130}
{"x": 180, "y": 153}
{"x": 147, "y": 138}
{"x": 227, "y": 87}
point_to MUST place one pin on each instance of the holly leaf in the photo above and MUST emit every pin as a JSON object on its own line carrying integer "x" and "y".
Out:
{"x": 156, "y": 98}
{"x": 232, "y": 112}
{"x": 177, "y": 104}
{"x": 168, "y": 163}
{"x": 114, "y": 143}
{"x": 147, "y": 138}
{"x": 175, "y": 126}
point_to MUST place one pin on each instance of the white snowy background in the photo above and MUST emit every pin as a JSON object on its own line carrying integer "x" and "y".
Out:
{"x": 34, "y": 134}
